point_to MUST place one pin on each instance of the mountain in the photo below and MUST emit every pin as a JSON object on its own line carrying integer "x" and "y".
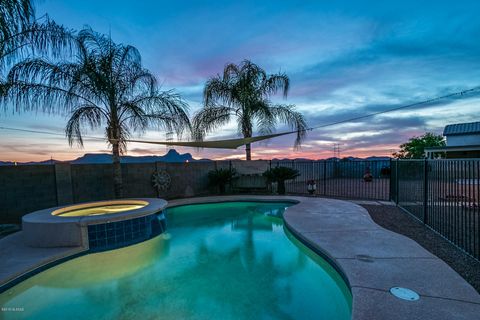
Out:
{"x": 378, "y": 158}
{"x": 104, "y": 158}
{"x": 373, "y": 158}
{"x": 11, "y": 163}
{"x": 171, "y": 156}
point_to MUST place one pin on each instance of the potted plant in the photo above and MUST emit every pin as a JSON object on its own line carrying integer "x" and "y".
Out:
{"x": 280, "y": 175}
{"x": 220, "y": 178}
{"x": 367, "y": 177}
{"x": 385, "y": 171}
{"x": 311, "y": 186}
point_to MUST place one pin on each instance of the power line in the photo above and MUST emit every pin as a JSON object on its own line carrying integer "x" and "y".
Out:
{"x": 459, "y": 93}
{"x": 454, "y": 94}
{"x": 47, "y": 132}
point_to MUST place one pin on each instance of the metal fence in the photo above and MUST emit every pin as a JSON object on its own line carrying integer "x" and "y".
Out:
{"x": 341, "y": 179}
{"x": 443, "y": 194}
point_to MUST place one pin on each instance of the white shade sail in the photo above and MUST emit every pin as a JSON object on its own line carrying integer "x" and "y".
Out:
{"x": 216, "y": 144}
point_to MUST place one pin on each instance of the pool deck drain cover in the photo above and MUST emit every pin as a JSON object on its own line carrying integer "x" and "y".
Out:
{"x": 404, "y": 293}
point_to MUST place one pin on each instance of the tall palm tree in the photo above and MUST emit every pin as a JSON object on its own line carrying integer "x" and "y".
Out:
{"x": 105, "y": 87}
{"x": 244, "y": 91}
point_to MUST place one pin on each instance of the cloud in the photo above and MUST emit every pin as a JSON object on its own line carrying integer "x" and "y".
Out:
{"x": 345, "y": 59}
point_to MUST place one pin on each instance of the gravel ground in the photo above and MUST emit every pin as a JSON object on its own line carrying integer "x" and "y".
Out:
{"x": 396, "y": 220}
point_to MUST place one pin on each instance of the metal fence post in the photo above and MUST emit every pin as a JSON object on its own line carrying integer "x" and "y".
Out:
{"x": 425, "y": 191}
{"x": 390, "y": 196}
{"x": 397, "y": 183}
{"x": 324, "y": 177}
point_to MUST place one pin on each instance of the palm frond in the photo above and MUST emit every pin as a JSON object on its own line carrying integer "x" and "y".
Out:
{"x": 15, "y": 16}
{"x": 89, "y": 115}
{"x": 277, "y": 82}
{"x": 218, "y": 90}
{"x": 209, "y": 119}
{"x": 294, "y": 119}
{"x": 42, "y": 37}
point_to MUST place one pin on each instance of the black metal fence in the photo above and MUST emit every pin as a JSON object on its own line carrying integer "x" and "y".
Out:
{"x": 341, "y": 179}
{"x": 443, "y": 194}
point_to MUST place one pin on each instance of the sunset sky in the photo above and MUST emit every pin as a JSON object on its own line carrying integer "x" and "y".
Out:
{"x": 344, "y": 59}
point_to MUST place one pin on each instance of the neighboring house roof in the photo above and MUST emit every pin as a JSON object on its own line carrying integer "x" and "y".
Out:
{"x": 461, "y": 128}
{"x": 453, "y": 148}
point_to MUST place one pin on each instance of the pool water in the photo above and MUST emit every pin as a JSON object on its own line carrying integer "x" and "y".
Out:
{"x": 217, "y": 261}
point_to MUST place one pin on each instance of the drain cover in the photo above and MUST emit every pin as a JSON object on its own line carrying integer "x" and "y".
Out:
{"x": 404, "y": 293}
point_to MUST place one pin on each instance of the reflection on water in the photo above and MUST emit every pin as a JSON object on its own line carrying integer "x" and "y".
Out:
{"x": 217, "y": 261}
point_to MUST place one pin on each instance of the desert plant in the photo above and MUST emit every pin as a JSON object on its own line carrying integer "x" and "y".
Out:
{"x": 243, "y": 92}
{"x": 280, "y": 175}
{"x": 220, "y": 178}
{"x": 385, "y": 171}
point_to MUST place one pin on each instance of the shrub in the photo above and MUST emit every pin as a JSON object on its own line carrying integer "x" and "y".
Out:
{"x": 280, "y": 175}
{"x": 220, "y": 178}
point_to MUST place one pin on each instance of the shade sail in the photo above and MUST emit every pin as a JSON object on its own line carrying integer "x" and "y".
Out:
{"x": 216, "y": 144}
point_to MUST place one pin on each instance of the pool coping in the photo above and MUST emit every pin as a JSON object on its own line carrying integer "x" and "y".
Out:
{"x": 44, "y": 229}
{"x": 365, "y": 254}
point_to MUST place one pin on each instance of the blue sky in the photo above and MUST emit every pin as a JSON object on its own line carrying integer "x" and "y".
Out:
{"x": 344, "y": 58}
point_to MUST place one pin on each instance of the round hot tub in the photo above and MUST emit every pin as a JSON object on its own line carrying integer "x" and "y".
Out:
{"x": 97, "y": 226}
{"x": 99, "y": 208}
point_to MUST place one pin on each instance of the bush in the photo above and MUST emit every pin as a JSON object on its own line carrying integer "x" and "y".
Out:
{"x": 280, "y": 175}
{"x": 220, "y": 178}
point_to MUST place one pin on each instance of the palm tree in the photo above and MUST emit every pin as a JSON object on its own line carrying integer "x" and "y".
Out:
{"x": 21, "y": 34}
{"x": 105, "y": 87}
{"x": 244, "y": 91}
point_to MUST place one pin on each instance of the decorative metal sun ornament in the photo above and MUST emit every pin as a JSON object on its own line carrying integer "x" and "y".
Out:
{"x": 161, "y": 180}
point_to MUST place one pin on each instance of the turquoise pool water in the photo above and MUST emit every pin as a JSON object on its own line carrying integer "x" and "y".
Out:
{"x": 218, "y": 261}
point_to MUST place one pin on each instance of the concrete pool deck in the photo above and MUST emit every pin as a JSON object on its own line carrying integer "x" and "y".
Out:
{"x": 373, "y": 260}
{"x": 18, "y": 259}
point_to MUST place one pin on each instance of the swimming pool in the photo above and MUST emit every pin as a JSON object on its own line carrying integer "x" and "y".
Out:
{"x": 231, "y": 260}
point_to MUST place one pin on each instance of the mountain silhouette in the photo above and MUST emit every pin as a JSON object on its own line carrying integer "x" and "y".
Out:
{"x": 105, "y": 158}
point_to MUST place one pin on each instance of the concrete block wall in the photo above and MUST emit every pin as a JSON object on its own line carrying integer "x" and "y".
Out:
{"x": 187, "y": 179}
{"x": 63, "y": 180}
{"x": 27, "y": 188}
{"x": 24, "y": 189}
{"x": 137, "y": 180}
{"x": 92, "y": 182}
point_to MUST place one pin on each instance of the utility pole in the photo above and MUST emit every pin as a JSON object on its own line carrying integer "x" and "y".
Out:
{"x": 336, "y": 150}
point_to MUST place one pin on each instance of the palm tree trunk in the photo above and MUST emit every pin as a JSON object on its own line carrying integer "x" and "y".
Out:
{"x": 248, "y": 151}
{"x": 117, "y": 172}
